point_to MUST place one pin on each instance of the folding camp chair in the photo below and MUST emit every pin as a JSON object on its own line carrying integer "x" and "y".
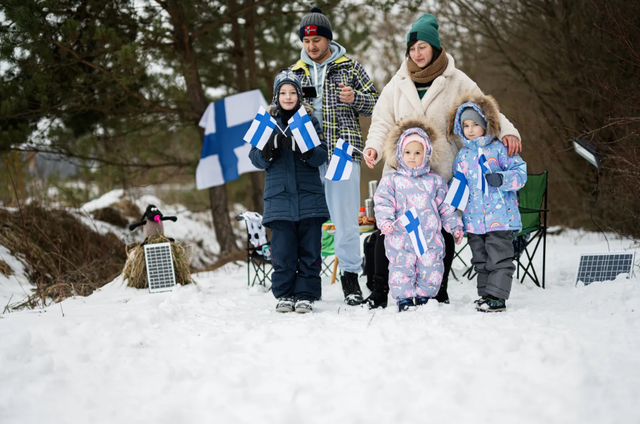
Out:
{"x": 533, "y": 210}
{"x": 327, "y": 253}
{"x": 329, "y": 259}
{"x": 258, "y": 249}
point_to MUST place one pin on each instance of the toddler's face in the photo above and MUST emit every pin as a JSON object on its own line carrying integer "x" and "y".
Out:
{"x": 472, "y": 129}
{"x": 413, "y": 154}
{"x": 287, "y": 97}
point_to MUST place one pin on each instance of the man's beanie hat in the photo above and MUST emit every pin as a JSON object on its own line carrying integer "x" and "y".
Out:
{"x": 315, "y": 23}
{"x": 471, "y": 114}
{"x": 425, "y": 29}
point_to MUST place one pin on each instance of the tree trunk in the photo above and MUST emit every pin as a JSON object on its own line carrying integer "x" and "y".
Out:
{"x": 199, "y": 103}
{"x": 256, "y": 178}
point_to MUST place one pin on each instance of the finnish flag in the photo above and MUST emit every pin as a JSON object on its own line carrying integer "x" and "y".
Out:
{"x": 458, "y": 195}
{"x": 225, "y": 155}
{"x": 411, "y": 223}
{"x": 341, "y": 163}
{"x": 482, "y": 170}
{"x": 303, "y": 131}
{"x": 260, "y": 130}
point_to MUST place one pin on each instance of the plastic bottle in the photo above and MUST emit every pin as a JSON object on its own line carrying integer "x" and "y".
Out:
{"x": 362, "y": 211}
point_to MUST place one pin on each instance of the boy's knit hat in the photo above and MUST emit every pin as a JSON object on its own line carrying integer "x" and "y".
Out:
{"x": 425, "y": 29}
{"x": 315, "y": 23}
{"x": 471, "y": 114}
{"x": 286, "y": 77}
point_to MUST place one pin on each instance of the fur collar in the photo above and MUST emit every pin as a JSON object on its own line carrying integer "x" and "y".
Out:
{"x": 487, "y": 104}
{"x": 438, "y": 144}
{"x": 273, "y": 109}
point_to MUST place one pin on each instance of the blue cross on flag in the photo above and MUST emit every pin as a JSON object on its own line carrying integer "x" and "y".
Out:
{"x": 458, "y": 194}
{"x": 411, "y": 223}
{"x": 482, "y": 170}
{"x": 225, "y": 155}
{"x": 261, "y": 128}
{"x": 341, "y": 163}
{"x": 303, "y": 130}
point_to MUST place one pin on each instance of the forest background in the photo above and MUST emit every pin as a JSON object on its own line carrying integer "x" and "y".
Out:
{"x": 117, "y": 87}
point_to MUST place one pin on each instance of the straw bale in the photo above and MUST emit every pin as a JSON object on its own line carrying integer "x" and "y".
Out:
{"x": 135, "y": 272}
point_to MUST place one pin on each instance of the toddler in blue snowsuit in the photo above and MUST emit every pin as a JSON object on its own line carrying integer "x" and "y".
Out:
{"x": 294, "y": 204}
{"x": 491, "y": 216}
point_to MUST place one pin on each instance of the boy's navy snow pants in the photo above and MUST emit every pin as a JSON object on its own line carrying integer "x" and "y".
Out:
{"x": 295, "y": 254}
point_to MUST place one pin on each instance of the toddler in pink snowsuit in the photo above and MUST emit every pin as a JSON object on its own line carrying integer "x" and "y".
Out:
{"x": 408, "y": 149}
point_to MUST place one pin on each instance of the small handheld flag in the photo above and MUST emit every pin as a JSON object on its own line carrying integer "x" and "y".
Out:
{"x": 411, "y": 223}
{"x": 482, "y": 170}
{"x": 303, "y": 131}
{"x": 341, "y": 163}
{"x": 458, "y": 195}
{"x": 260, "y": 130}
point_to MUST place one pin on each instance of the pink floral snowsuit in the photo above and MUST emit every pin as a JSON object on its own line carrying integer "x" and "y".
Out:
{"x": 409, "y": 275}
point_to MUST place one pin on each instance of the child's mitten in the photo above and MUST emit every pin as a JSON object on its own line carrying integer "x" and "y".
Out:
{"x": 272, "y": 150}
{"x": 494, "y": 179}
{"x": 387, "y": 228}
{"x": 458, "y": 235}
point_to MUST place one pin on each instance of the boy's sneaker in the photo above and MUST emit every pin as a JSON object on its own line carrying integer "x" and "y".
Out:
{"x": 482, "y": 300}
{"x": 285, "y": 304}
{"x": 421, "y": 300}
{"x": 405, "y": 304}
{"x": 492, "y": 305}
{"x": 304, "y": 306}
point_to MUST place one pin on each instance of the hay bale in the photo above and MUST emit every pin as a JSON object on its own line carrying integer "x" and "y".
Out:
{"x": 135, "y": 271}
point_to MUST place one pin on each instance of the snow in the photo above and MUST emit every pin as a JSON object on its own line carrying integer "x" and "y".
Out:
{"x": 217, "y": 352}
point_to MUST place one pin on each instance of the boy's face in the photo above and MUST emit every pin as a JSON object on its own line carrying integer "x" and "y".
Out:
{"x": 317, "y": 48}
{"x": 472, "y": 129}
{"x": 287, "y": 97}
{"x": 413, "y": 154}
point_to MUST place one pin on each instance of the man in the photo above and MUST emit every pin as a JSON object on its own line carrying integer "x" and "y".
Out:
{"x": 343, "y": 92}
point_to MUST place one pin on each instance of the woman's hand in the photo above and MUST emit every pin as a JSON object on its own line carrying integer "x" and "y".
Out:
{"x": 512, "y": 143}
{"x": 370, "y": 156}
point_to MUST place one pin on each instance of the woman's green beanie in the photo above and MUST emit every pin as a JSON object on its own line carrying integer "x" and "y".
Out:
{"x": 425, "y": 29}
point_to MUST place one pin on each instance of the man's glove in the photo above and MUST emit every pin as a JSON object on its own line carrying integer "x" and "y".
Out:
{"x": 494, "y": 179}
{"x": 272, "y": 150}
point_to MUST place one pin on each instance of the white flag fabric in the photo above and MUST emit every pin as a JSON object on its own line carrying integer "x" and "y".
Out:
{"x": 458, "y": 195}
{"x": 303, "y": 130}
{"x": 341, "y": 163}
{"x": 260, "y": 130}
{"x": 482, "y": 170}
{"x": 225, "y": 155}
{"x": 411, "y": 223}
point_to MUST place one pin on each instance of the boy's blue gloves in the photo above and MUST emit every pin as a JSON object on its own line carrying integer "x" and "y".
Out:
{"x": 494, "y": 179}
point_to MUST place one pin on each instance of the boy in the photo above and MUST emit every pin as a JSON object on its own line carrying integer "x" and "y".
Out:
{"x": 491, "y": 215}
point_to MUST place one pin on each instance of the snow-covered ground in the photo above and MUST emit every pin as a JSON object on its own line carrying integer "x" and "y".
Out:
{"x": 218, "y": 353}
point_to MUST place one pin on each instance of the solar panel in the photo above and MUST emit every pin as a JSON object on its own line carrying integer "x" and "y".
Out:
{"x": 160, "y": 274}
{"x": 604, "y": 266}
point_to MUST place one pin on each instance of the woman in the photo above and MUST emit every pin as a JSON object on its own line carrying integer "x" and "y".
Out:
{"x": 426, "y": 86}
